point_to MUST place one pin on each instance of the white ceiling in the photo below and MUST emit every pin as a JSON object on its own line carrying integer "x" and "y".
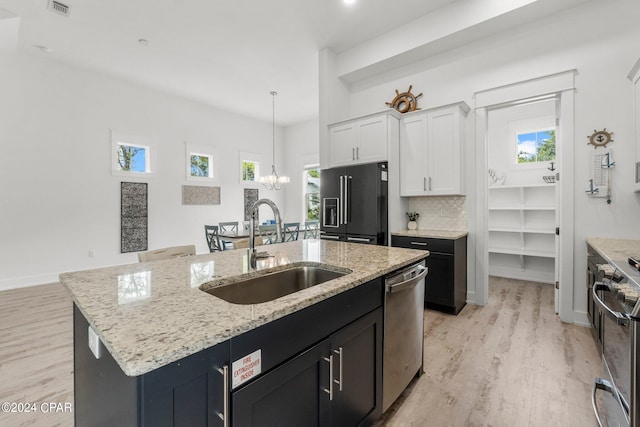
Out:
{"x": 226, "y": 54}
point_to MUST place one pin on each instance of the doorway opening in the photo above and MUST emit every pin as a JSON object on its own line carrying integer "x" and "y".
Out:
{"x": 522, "y": 141}
{"x": 532, "y": 136}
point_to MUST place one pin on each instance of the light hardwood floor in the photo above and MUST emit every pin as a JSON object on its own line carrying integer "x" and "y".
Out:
{"x": 510, "y": 363}
{"x": 36, "y": 353}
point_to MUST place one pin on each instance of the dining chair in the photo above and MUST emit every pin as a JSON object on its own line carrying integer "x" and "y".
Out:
{"x": 268, "y": 233}
{"x": 311, "y": 229}
{"x": 228, "y": 227}
{"x": 213, "y": 238}
{"x": 291, "y": 231}
{"x": 167, "y": 253}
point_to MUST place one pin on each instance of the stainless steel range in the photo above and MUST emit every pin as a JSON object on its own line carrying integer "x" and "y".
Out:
{"x": 618, "y": 405}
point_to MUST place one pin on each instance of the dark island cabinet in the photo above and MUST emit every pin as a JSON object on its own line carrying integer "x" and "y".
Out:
{"x": 446, "y": 282}
{"x": 188, "y": 392}
{"x": 319, "y": 366}
{"x": 336, "y": 382}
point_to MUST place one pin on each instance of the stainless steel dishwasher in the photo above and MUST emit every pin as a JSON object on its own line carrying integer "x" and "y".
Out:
{"x": 403, "y": 330}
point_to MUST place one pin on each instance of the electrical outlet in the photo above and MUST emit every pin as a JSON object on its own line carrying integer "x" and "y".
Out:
{"x": 92, "y": 253}
{"x": 94, "y": 342}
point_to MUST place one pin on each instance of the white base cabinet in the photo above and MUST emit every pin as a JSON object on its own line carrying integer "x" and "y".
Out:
{"x": 431, "y": 157}
{"x": 522, "y": 232}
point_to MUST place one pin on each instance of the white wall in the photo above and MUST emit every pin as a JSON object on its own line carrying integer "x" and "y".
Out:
{"x": 301, "y": 148}
{"x": 59, "y": 198}
{"x": 602, "y": 56}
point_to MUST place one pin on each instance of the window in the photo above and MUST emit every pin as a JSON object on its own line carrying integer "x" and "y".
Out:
{"x": 311, "y": 182}
{"x": 201, "y": 163}
{"x": 249, "y": 165}
{"x": 536, "y": 146}
{"x": 132, "y": 158}
{"x": 131, "y": 155}
{"x": 249, "y": 170}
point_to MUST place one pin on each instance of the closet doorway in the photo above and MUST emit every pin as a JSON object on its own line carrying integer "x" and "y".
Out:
{"x": 522, "y": 141}
{"x": 518, "y": 213}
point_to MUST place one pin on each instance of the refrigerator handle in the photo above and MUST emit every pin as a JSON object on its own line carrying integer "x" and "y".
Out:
{"x": 340, "y": 201}
{"x": 346, "y": 199}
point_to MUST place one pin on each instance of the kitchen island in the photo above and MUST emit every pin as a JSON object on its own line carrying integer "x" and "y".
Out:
{"x": 153, "y": 318}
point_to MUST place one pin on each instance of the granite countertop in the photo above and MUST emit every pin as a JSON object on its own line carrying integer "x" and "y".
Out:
{"x": 151, "y": 314}
{"x": 617, "y": 252}
{"x": 433, "y": 234}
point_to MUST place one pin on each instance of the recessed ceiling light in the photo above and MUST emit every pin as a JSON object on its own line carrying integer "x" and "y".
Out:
{"x": 349, "y": 1}
{"x": 43, "y": 48}
{"x": 144, "y": 42}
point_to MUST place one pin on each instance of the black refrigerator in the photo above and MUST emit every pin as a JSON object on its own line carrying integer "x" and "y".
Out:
{"x": 354, "y": 203}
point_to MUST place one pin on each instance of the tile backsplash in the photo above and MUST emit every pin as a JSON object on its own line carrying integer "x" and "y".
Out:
{"x": 440, "y": 212}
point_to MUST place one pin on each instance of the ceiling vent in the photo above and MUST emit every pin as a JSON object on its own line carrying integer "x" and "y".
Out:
{"x": 59, "y": 8}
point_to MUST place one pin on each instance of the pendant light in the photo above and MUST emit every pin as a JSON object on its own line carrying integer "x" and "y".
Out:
{"x": 273, "y": 181}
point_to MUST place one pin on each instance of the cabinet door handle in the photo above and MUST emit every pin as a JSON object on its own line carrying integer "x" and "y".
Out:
{"x": 353, "y": 153}
{"x": 225, "y": 397}
{"x": 419, "y": 243}
{"x": 429, "y": 183}
{"x": 357, "y": 153}
{"x": 339, "y": 381}
{"x": 330, "y": 390}
{"x": 424, "y": 183}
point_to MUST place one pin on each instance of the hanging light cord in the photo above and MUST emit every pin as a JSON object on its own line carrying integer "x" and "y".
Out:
{"x": 273, "y": 122}
{"x": 273, "y": 181}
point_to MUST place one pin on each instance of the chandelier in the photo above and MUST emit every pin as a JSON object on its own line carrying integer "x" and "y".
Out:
{"x": 273, "y": 181}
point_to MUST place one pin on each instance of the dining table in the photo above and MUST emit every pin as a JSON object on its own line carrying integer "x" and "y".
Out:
{"x": 235, "y": 236}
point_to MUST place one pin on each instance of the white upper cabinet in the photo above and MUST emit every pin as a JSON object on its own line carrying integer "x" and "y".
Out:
{"x": 431, "y": 157}
{"x": 362, "y": 140}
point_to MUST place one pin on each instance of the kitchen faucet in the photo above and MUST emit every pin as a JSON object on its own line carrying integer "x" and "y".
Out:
{"x": 254, "y": 211}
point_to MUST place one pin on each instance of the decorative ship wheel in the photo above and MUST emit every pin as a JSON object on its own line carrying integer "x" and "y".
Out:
{"x": 405, "y": 101}
{"x": 600, "y": 138}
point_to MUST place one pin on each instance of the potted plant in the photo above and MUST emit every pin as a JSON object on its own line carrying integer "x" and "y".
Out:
{"x": 413, "y": 216}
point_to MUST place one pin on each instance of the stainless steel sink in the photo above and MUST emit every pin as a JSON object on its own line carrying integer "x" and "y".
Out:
{"x": 273, "y": 285}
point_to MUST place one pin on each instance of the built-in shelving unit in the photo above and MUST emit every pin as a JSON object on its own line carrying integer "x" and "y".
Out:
{"x": 522, "y": 232}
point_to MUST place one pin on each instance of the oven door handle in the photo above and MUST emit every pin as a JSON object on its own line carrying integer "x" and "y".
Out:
{"x": 600, "y": 384}
{"x": 620, "y": 319}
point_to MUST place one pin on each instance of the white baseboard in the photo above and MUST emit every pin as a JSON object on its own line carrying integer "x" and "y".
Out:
{"x": 471, "y": 297}
{"x": 24, "y": 282}
{"x": 580, "y": 318}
